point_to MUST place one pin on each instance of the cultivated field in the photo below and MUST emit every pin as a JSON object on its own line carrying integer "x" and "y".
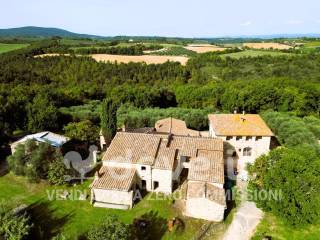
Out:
{"x": 312, "y": 44}
{"x": 51, "y": 55}
{"x": 155, "y": 51}
{"x": 149, "y": 59}
{"x": 203, "y": 48}
{"x": 267, "y": 45}
{"x": 253, "y": 53}
{"x": 10, "y": 47}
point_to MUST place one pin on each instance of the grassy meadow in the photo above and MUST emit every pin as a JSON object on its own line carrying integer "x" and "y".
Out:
{"x": 73, "y": 218}
{"x": 4, "y": 47}
{"x": 254, "y": 53}
{"x": 278, "y": 230}
{"x": 312, "y": 44}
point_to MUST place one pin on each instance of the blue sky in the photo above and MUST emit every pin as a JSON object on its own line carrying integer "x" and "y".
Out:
{"x": 185, "y": 18}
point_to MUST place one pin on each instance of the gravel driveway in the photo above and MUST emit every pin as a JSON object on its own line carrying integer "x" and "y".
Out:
{"x": 244, "y": 222}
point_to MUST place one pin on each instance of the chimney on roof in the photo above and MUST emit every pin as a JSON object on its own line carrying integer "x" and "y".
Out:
{"x": 168, "y": 140}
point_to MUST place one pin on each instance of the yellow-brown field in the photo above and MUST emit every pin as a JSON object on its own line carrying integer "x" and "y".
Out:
{"x": 51, "y": 55}
{"x": 148, "y": 59}
{"x": 203, "y": 48}
{"x": 267, "y": 46}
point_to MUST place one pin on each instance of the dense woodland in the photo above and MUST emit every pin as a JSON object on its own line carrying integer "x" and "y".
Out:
{"x": 33, "y": 89}
{"x": 134, "y": 50}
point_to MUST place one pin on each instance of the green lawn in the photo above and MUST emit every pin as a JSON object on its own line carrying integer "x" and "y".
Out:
{"x": 253, "y": 53}
{"x": 278, "y": 230}
{"x": 74, "y": 218}
{"x": 4, "y": 47}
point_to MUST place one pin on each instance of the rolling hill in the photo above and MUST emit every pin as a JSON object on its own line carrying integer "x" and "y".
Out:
{"x": 42, "y": 33}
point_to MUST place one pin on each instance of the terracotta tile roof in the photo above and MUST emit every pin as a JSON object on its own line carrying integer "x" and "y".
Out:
{"x": 196, "y": 189}
{"x": 140, "y": 130}
{"x": 208, "y": 166}
{"x": 239, "y": 125}
{"x": 114, "y": 178}
{"x": 157, "y": 150}
{"x": 216, "y": 194}
{"x": 175, "y": 126}
{"x": 166, "y": 156}
{"x": 136, "y": 148}
{"x": 206, "y": 190}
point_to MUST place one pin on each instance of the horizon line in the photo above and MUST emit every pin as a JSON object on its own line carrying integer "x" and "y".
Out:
{"x": 264, "y": 35}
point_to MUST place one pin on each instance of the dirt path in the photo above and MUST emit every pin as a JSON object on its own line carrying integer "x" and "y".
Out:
{"x": 244, "y": 222}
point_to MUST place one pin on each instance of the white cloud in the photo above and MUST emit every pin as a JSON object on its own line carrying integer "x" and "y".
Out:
{"x": 293, "y": 22}
{"x": 245, "y": 24}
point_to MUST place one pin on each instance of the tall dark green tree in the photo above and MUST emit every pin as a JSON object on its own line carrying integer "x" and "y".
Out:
{"x": 42, "y": 114}
{"x": 108, "y": 119}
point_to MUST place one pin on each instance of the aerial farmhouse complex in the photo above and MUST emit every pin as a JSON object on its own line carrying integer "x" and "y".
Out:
{"x": 172, "y": 155}
{"x": 155, "y": 162}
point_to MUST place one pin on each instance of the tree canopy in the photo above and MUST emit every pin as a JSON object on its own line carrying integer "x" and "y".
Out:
{"x": 33, "y": 88}
{"x": 110, "y": 229}
{"x": 295, "y": 174}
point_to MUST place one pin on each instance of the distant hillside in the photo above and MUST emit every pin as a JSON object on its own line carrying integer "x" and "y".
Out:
{"x": 42, "y": 33}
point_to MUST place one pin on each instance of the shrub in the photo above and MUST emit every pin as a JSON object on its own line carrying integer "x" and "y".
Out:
{"x": 57, "y": 172}
{"x": 32, "y": 160}
{"x": 13, "y": 226}
{"x": 110, "y": 229}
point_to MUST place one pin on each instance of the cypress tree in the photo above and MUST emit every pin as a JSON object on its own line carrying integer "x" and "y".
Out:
{"x": 108, "y": 119}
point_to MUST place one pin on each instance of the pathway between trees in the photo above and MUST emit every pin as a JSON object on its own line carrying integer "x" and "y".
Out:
{"x": 244, "y": 222}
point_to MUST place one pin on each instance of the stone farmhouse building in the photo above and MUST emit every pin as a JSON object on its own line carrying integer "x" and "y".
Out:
{"x": 246, "y": 137}
{"x": 171, "y": 154}
{"x": 155, "y": 162}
